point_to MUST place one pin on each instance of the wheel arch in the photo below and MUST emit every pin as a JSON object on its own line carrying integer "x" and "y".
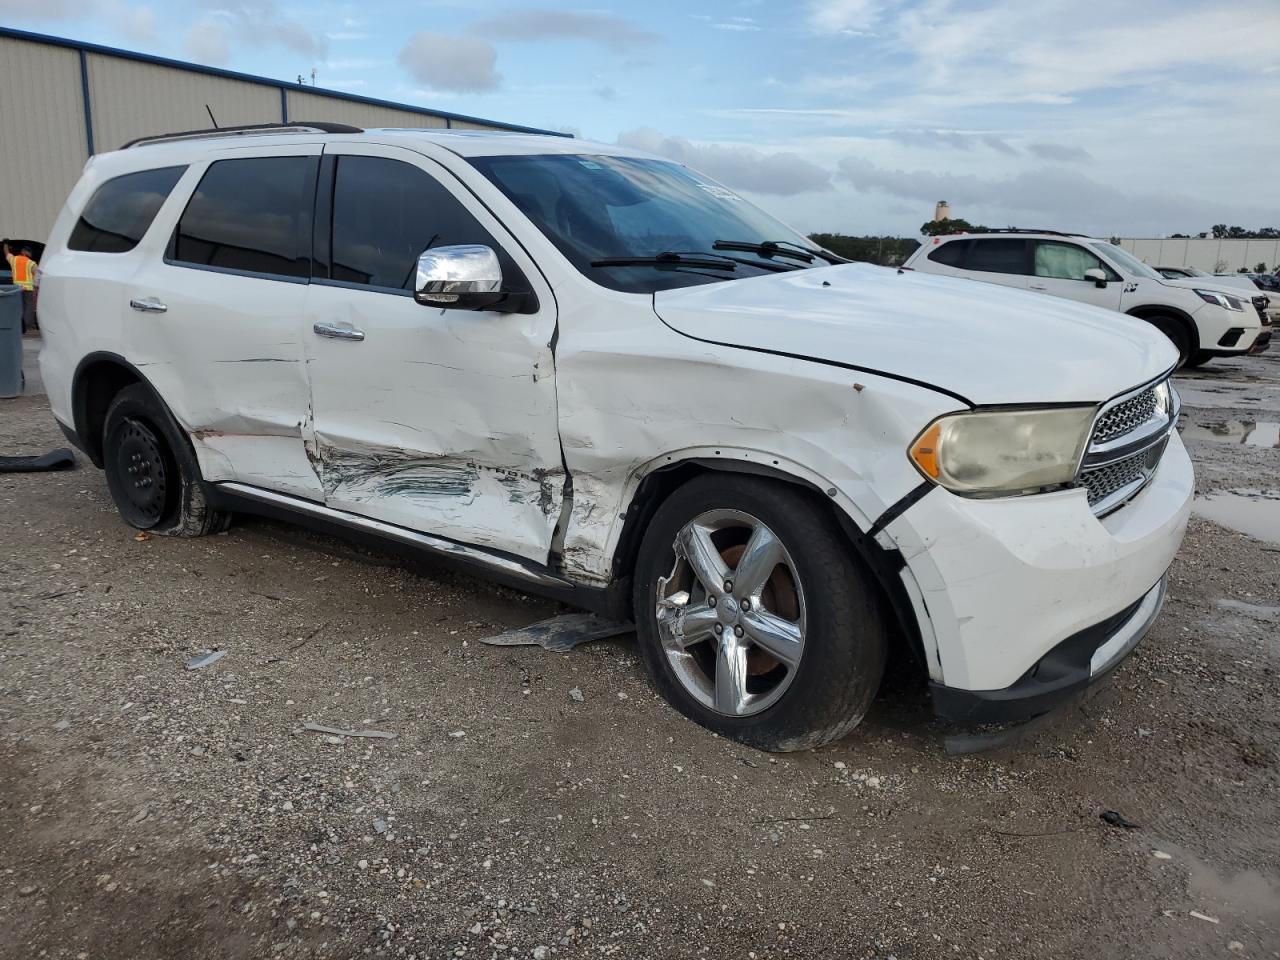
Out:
{"x": 98, "y": 378}
{"x": 882, "y": 565}
{"x": 1149, "y": 311}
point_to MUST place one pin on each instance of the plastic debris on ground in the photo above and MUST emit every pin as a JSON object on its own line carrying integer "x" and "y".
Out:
{"x": 561, "y": 634}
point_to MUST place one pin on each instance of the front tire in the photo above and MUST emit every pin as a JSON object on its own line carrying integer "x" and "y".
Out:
{"x": 1198, "y": 359}
{"x": 151, "y": 471}
{"x": 754, "y": 619}
{"x": 1178, "y": 336}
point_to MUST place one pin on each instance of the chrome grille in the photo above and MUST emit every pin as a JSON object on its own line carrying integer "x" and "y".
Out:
{"x": 1125, "y": 417}
{"x": 1102, "y": 482}
{"x": 1129, "y": 438}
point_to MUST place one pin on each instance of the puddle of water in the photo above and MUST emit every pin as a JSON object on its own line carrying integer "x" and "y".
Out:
{"x": 1251, "y": 433}
{"x": 1227, "y": 395}
{"x": 1248, "y": 511}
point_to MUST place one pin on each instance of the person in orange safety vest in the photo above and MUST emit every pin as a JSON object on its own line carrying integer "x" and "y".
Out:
{"x": 24, "y": 276}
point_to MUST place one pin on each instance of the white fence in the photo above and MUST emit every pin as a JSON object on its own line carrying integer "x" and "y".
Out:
{"x": 1213, "y": 256}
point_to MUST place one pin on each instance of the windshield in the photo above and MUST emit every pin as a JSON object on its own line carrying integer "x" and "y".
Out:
{"x": 597, "y": 208}
{"x": 1126, "y": 260}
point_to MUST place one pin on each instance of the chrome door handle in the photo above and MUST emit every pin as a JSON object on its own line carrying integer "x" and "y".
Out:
{"x": 147, "y": 305}
{"x": 338, "y": 331}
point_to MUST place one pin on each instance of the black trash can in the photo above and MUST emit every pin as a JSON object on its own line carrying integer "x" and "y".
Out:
{"x": 10, "y": 341}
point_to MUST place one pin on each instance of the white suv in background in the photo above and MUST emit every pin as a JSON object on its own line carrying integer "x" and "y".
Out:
{"x": 597, "y": 374}
{"x": 1203, "y": 319}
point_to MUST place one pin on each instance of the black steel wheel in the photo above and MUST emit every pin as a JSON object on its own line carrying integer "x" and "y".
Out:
{"x": 139, "y": 471}
{"x": 152, "y": 471}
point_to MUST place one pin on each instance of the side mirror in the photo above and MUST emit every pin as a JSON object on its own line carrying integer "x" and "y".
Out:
{"x": 1099, "y": 277}
{"x": 462, "y": 277}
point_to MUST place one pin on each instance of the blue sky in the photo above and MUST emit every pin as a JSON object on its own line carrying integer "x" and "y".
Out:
{"x": 1129, "y": 117}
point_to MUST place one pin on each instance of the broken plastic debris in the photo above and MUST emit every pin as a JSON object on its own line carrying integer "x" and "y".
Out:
{"x": 576, "y": 695}
{"x": 334, "y": 731}
{"x": 561, "y": 634}
{"x": 1203, "y": 916}
{"x": 205, "y": 659}
{"x": 1118, "y": 820}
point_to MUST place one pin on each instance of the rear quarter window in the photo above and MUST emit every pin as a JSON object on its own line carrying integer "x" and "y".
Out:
{"x": 998, "y": 256}
{"x": 950, "y": 254}
{"x": 121, "y": 210}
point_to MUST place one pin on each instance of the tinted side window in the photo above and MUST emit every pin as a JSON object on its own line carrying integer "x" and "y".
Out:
{"x": 1066, "y": 261}
{"x": 121, "y": 210}
{"x": 950, "y": 254}
{"x": 998, "y": 256}
{"x": 252, "y": 214}
{"x": 385, "y": 213}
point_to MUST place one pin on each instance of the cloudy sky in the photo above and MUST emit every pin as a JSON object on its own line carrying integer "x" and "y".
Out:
{"x": 1132, "y": 117}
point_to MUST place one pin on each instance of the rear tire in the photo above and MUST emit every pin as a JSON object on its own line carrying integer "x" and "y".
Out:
{"x": 793, "y": 623}
{"x": 1178, "y": 336}
{"x": 151, "y": 471}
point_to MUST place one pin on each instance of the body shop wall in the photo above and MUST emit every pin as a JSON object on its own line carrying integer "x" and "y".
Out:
{"x": 1204, "y": 254}
{"x": 65, "y": 100}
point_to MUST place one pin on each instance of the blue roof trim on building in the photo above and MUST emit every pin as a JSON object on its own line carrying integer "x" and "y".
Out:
{"x": 86, "y": 47}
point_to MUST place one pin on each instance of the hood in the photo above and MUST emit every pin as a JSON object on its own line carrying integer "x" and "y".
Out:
{"x": 1241, "y": 287}
{"x": 980, "y": 342}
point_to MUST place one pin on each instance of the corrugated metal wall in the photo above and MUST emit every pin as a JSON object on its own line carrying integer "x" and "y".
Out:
{"x": 1212, "y": 256}
{"x": 131, "y": 100}
{"x": 42, "y": 135}
{"x": 304, "y": 105}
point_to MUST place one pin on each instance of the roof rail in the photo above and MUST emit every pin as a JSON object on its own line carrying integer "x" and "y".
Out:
{"x": 1052, "y": 233}
{"x": 247, "y": 129}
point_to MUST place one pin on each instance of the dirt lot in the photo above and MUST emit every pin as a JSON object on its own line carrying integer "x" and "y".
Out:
{"x": 151, "y": 811}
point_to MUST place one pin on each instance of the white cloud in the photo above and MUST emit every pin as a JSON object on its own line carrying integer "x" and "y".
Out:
{"x": 463, "y": 64}
{"x": 844, "y": 16}
{"x": 743, "y": 168}
{"x": 605, "y": 29}
{"x": 209, "y": 42}
{"x": 1051, "y": 198}
{"x": 1057, "y": 151}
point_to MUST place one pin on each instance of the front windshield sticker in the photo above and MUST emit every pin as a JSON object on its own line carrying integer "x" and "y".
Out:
{"x": 719, "y": 192}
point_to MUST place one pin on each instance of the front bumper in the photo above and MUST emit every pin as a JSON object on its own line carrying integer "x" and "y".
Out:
{"x": 997, "y": 585}
{"x": 1059, "y": 675}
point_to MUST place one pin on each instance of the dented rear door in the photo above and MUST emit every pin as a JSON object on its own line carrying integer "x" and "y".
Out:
{"x": 442, "y": 421}
{"x": 212, "y": 317}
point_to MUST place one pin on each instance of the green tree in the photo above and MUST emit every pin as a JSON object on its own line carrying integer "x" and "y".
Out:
{"x": 886, "y": 251}
{"x": 940, "y": 228}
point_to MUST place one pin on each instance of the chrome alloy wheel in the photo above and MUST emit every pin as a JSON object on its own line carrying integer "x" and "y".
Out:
{"x": 731, "y": 613}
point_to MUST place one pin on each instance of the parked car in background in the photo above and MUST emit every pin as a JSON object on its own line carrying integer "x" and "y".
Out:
{"x": 1203, "y": 319}
{"x": 597, "y": 374}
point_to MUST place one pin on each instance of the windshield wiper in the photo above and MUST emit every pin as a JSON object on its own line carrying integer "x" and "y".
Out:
{"x": 780, "y": 248}
{"x": 669, "y": 260}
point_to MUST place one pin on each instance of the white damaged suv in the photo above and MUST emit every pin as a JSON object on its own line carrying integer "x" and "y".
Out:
{"x": 599, "y": 375}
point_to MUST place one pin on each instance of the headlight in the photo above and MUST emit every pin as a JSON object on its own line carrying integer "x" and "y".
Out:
{"x": 1164, "y": 395}
{"x": 988, "y": 453}
{"x": 1220, "y": 299}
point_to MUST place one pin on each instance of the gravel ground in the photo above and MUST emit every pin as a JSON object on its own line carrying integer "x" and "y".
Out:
{"x": 152, "y": 811}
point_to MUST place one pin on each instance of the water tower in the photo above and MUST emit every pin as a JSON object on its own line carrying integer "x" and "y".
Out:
{"x": 942, "y": 211}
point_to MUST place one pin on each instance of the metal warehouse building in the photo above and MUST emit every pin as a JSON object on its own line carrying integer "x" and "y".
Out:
{"x": 64, "y": 100}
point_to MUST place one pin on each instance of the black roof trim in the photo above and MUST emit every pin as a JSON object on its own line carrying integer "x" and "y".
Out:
{"x": 246, "y": 129}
